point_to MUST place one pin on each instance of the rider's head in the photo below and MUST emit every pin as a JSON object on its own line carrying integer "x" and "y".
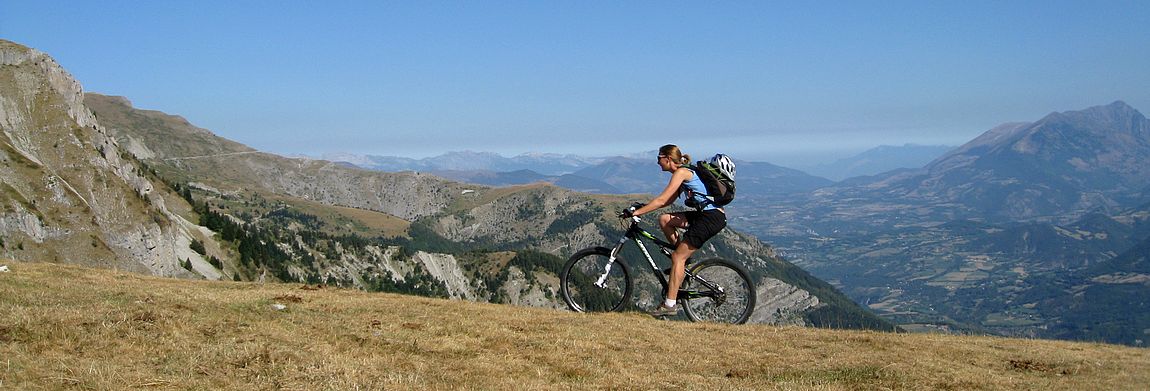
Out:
{"x": 672, "y": 152}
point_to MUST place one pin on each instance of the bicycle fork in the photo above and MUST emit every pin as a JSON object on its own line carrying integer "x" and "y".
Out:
{"x": 602, "y": 280}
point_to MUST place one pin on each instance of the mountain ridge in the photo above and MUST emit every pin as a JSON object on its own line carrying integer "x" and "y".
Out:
{"x": 543, "y": 163}
{"x": 995, "y": 173}
{"x": 993, "y": 236}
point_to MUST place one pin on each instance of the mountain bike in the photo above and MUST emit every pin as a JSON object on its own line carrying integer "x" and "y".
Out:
{"x": 596, "y": 279}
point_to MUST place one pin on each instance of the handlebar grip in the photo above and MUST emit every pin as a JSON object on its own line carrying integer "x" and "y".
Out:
{"x": 629, "y": 212}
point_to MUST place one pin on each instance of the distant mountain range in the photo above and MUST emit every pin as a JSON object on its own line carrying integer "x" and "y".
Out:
{"x": 548, "y": 166}
{"x": 542, "y": 163}
{"x": 1005, "y": 234}
{"x": 635, "y": 174}
{"x": 1056, "y": 169}
{"x": 878, "y": 160}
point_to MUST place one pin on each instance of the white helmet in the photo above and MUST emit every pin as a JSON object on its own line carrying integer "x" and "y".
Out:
{"x": 724, "y": 163}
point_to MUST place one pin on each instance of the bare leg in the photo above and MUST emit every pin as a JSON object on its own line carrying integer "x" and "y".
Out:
{"x": 678, "y": 269}
{"x": 670, "y": 223}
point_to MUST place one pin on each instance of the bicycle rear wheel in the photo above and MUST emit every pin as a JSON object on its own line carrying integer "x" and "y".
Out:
{"x": 720, "y": 291}
{"x": 580, "y": 275}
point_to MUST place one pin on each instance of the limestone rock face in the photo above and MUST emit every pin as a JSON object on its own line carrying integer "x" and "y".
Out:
{"x": 68, "y": 194}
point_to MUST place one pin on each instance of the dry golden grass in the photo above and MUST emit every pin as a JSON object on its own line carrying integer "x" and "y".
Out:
{"x": 66, "y": 327}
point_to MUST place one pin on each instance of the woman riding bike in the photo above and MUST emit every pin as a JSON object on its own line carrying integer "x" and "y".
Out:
{"x": 701, "y": 224}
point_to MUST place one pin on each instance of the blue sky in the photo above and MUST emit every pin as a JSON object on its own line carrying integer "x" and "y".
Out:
{"x": 783, "y": 82}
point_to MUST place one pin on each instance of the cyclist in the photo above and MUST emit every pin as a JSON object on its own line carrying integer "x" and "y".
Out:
{"x": 701, "y": 224}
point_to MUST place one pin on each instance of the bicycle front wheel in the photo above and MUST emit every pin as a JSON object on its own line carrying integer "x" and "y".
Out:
{"x": 589, "y": 283}
{"x": 718, "y": 291}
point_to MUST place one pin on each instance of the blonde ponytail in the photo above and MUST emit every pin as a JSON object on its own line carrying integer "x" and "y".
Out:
{"x": 672, "y": 151}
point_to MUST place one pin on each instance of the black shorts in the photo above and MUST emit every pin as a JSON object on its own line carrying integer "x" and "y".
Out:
{"x": 702, "y": 226}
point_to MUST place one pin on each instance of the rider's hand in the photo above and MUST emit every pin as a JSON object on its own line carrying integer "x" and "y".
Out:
{"x": 630, "y": 212}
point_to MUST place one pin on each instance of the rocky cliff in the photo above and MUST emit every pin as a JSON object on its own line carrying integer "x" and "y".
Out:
{"x": 67, "y": 193}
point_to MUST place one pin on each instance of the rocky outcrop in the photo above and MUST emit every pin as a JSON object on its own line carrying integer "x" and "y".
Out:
{"x": 445, "y": 268}
{"x": 68, "y": 194}
{"x": 552, "y": 219}
{"x": 531, "y": 292}
{"x": 780, "y": 303}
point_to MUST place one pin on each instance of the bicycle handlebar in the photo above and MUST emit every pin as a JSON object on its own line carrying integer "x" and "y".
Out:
{"x": 629, "y": 212}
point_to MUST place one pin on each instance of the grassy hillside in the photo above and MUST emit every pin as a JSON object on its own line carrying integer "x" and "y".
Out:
{"x": 73, "y": 327}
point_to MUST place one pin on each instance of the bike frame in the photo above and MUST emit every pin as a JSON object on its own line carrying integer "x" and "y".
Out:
{"x": 636, "y": 234}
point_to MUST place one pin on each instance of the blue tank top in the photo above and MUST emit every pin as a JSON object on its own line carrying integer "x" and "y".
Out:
{"x": 695, "y": 193}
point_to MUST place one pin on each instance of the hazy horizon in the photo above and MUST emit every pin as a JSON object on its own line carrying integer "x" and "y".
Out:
{"x": 814, "y": 161}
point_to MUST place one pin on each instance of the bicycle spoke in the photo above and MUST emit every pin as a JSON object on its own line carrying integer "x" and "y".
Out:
{"x": 719, "y": 292}
{"x": 592, "y": 284}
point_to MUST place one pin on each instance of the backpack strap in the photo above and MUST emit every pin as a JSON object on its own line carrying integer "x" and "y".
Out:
{"x": 690, "y": 201}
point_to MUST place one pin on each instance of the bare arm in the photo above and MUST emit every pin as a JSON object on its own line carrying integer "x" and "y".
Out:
{"x": 669, "y": 194}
